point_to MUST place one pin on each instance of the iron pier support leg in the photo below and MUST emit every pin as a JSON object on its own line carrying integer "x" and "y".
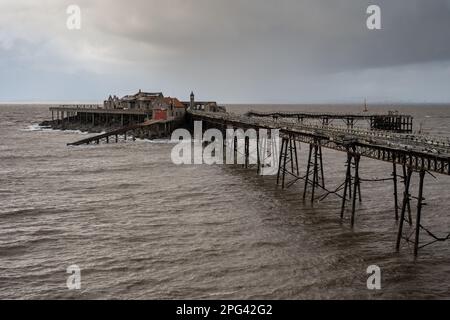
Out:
{"x": 284, "y": 161}
{"x": 408, "y": 204}
{"x": 235, "y": 150}
{"x": 404, "y": 205}
{"x": 296, "y": 157}
{"x": 347, "y": 183}
{"x": 291, "y": 149}
{"x": 315, "y": 172}
{"x": 394, "y": 177}
{"x": 356, "y": 184}
{"x": 279, "y": 161}
{"x": 246, "y": 151}
{"x": 258, "y": 160}
{"x": 419, "y": 212}
{"x": 247, "y": 155}
{"x": 321, "y": 166}
{"x": 308, "y": 167}
{"x": 350, "y": 193}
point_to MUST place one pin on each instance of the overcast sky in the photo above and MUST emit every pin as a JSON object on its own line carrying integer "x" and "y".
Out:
{"x": 232, "y": 51}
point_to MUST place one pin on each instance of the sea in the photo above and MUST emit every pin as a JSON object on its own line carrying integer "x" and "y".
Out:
{"x": 138, "y": 226}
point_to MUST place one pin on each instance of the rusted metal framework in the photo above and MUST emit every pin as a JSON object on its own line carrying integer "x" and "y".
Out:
{"x": 413, "y": 153}
{"x": 132, "y": 131}
{"x": 393, "y": 122}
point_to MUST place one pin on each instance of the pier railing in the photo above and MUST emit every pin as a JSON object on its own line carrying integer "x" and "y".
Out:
{"x": 426, "y": 144}
{"x": 391, "y": 121}
{"x": 413, "y": 153}
{"x": 80, "y": 106}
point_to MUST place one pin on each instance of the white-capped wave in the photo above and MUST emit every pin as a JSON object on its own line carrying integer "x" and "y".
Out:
{"x": 38, "y": 127}
{"x": 157, "y": 141}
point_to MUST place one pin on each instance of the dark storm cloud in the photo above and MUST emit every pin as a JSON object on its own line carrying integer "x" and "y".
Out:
{"x": 259, "y": 50}
{"x": 326, "y": 34}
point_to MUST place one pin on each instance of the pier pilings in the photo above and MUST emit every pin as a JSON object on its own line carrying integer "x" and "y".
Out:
{"x": 412, "y": 153}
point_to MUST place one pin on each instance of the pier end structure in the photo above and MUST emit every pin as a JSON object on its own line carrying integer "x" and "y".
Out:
{"x": 144, "y": 114}
{"x": 119, "y": 113}
{"x": 134, "y": 122}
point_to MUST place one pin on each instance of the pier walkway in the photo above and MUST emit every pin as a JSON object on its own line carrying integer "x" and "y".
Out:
{"x": 391, "y": 121}
{"x": 388, "y": 139}
{"x": 407, "y": 154}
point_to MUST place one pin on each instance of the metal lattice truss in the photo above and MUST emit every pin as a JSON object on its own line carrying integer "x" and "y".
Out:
{"x": 414, "y": 153}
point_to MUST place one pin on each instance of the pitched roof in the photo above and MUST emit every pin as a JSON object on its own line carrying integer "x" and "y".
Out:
{"x": 176, "y": 103}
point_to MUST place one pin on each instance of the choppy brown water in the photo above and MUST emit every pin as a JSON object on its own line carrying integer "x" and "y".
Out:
{"x": 140, "y": 227}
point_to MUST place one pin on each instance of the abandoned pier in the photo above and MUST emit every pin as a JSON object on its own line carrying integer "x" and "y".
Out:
{"x": 384, "y": 137}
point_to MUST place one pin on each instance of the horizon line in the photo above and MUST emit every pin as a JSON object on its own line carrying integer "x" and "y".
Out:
{"x": 41, "y": 102}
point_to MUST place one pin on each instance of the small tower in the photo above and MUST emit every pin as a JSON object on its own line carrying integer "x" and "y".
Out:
{"x": 192, "y": 104}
